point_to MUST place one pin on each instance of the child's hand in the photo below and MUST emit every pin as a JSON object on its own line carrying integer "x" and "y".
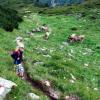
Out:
{"x": 18, "y": 58}
{"x": 10, "y": 52}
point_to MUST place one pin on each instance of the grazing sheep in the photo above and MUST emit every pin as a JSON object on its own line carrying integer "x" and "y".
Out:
{"x": 47, "y": 31}
{"x": 75, "y": 38}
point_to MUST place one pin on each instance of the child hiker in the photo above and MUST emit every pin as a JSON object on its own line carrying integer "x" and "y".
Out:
{"x": 17, "y": 56}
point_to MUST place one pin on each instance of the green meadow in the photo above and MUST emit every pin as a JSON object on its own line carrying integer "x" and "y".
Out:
{"x": 72, "y": 68}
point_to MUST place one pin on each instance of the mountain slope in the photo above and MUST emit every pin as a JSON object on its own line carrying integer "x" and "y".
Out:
{"x": 15, "y": 3}
{"x": 72, "y": 69}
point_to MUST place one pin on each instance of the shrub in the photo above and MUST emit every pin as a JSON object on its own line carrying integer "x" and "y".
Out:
{"x": 9, "y": 19}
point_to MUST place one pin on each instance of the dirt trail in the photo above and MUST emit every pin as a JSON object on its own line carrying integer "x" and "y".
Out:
{"x": 47, "y": 90}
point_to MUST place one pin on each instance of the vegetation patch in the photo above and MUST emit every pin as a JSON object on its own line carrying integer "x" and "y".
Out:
{"x": 9, "y": 19}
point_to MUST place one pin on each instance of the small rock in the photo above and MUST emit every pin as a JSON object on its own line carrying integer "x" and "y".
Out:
{"x": 61, "y": 47}
{"x": 69, "y": 59}
{"x": 96, "y": 89}
{"x": 80, "y": 26}
{"x": 15, "y": 97}
{"x": 47, "y": 83}
{"x": 72, "y": 51}
{"x": 72, "y": 97}
{"x": 73, "y": 77}
{"x": 66, "y": 97}
{"x": 65, "y": 43}
{"x": 86, "y": 65}
{"x": 54, "y": 94}
{"x": 70, "y": 54}
{"x": 42, "y": 50}
{"x": 27, "y": 11}
{"x": 84, "y": 53}
{"x": 87, "y": 87}
{"x": 48, "y": 56}
{"x": 71, "y": 81}
{"x": 88, "y": 50}
{"x": 25, "y": 16}
{"x": 32, "y": 96}
{"x": 38, "y": 63}
{"x": 51, "y": 50}
{"x": 64, "y": 77}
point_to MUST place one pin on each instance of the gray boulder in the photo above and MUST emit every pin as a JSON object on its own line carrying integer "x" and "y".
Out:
{"x": 32, "y": 96}
{"x": 5, "y": 87}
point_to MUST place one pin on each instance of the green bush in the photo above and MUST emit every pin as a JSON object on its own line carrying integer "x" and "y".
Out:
{"x": 9, "y": 19}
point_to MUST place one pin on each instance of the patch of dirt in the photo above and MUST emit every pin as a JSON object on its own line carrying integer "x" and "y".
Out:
{"x": 44, "y": 86}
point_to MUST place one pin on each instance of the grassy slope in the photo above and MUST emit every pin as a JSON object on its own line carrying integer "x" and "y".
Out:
{"x": 61, "y": 65}
{"x": 15, "y": 3}
{"x": 6, "y": 68}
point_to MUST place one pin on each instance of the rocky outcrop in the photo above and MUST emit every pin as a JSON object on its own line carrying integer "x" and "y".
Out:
{"x": 53, "y": 3}
{"x": 5, "y": 87}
